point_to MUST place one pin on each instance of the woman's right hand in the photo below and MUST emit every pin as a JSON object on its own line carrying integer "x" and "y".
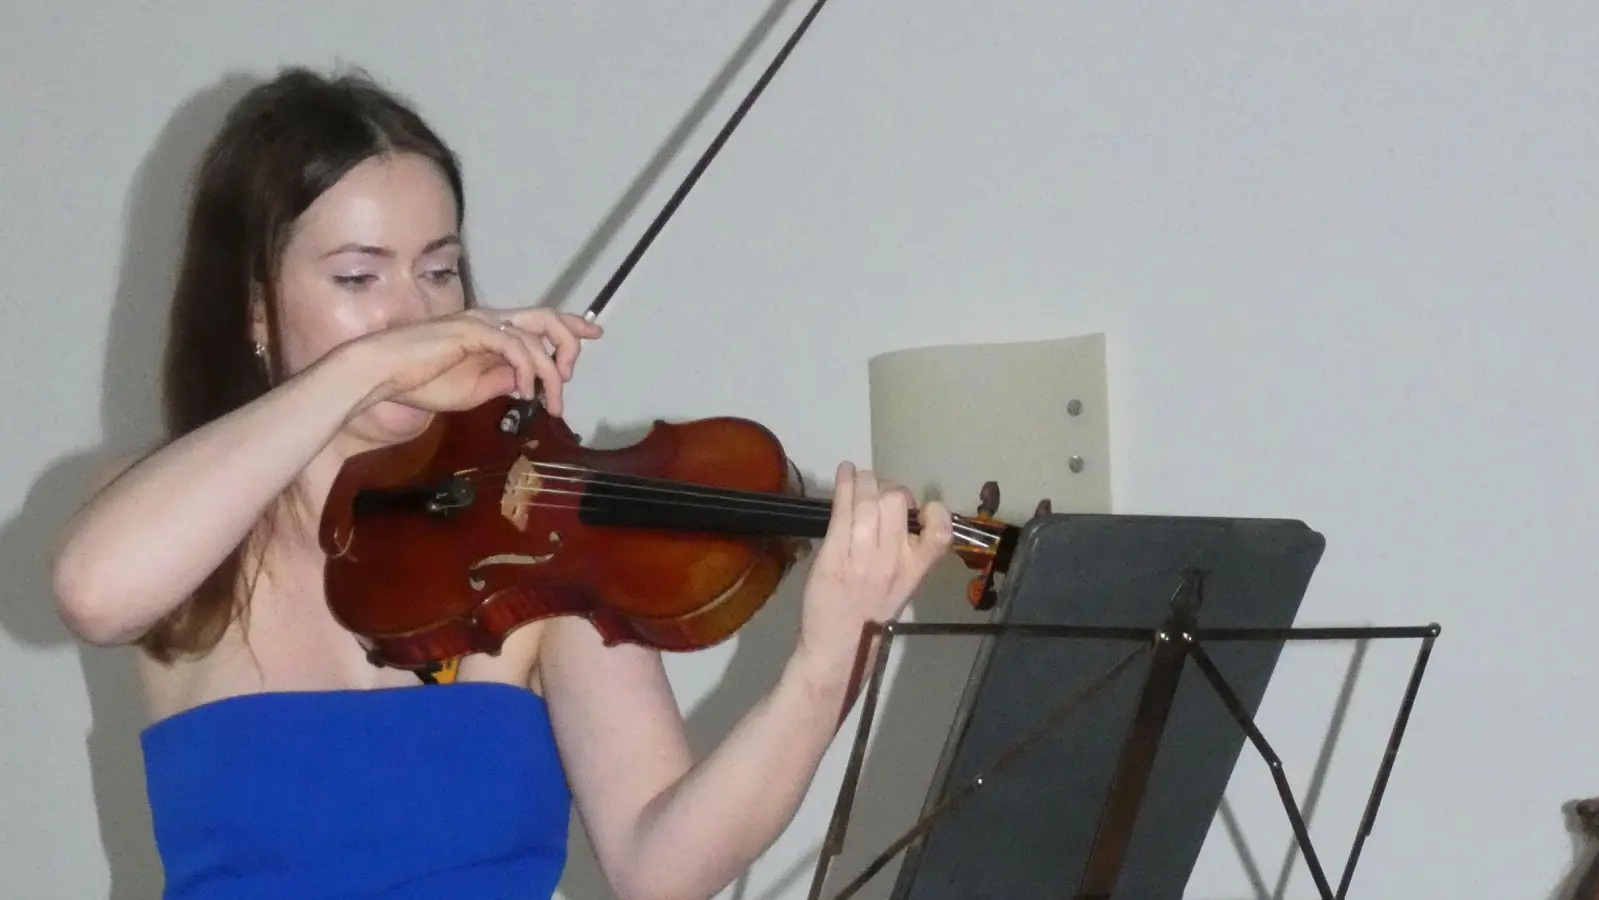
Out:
{"x": 464, "y": 360}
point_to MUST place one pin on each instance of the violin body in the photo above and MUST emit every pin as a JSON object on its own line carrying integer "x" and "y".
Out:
{"x": 442, "y": 546}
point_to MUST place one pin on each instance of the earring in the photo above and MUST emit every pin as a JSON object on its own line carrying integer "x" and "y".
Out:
{"x": 260, "y": 351}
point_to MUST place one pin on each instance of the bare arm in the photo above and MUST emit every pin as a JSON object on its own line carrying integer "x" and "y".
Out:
{"x": 665, "y": 828}
{"x": 150, "y": 537}
{"x": 662, "y": 827}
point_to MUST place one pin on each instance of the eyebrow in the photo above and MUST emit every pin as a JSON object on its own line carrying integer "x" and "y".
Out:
{"x": 372, "y": 250}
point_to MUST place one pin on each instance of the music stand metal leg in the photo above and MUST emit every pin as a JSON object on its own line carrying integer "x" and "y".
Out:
{"x": 1275, "y": 764}
{"x": 832, "y": 845}
{"x": 1428, "y": 635}
{"x": 1380, "y": 784}
{"x": 1009, "y": 755}
{"x": 1185, "y": 642}
{"x": 1126, "y": 792}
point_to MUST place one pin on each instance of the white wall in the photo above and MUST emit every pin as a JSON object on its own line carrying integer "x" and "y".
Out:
{"x": 1338, "y": 256}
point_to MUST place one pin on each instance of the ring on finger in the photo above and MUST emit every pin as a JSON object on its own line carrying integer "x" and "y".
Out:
{"x": 503, "y": 325}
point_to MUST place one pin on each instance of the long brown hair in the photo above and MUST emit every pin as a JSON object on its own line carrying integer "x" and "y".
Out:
{"x": 280, "y": 147}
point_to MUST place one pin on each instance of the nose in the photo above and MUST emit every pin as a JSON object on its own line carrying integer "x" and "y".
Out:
{"x": 409, "y": 304}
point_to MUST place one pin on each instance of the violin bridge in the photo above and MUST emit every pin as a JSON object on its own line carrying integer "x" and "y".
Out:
{"x": 522, "y": 484}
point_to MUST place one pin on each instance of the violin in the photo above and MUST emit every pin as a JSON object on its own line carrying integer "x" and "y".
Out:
{"x": 498, "y": 516}
{"x": 440, "y": 547}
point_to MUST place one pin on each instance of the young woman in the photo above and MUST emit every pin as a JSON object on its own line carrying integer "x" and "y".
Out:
{"x": 325, "y": 307}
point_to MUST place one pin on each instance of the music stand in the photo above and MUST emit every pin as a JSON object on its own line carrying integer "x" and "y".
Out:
{"x": 1067, "y": 800}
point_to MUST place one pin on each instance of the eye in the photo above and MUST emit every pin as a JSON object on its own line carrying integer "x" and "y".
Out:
{"x": 442, "y": 276}
{"x": 353, "y": 281}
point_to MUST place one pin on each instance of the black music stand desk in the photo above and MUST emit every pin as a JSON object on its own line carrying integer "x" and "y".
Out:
{"x": 1081, "y": 710}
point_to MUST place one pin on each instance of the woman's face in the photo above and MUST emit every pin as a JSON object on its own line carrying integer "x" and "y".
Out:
{"x": 376, "y": 250}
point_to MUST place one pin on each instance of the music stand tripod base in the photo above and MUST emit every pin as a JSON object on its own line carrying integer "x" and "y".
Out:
{"x": 1088, "y": 600}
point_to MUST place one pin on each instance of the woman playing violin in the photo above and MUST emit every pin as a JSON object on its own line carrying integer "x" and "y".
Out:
{"x": 324, "y": 307}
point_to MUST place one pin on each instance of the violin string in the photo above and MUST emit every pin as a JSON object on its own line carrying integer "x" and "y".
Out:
{"x": 809, "y": 510}
{"x": 974, "y": 537}
{"x": 776, "y": 502}
{"x": 660, "y": 485}
{"x": 806, "y": 509}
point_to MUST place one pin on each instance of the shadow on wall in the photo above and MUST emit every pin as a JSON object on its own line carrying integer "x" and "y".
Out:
{"x": 131, "y": 424}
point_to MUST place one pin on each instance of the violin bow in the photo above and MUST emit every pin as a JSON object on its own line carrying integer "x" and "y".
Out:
{"x": 704, "y": 162}
{"x": 519, "y": 410}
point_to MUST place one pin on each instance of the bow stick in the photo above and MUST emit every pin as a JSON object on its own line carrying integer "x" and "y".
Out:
{"x": 520, "y": 410}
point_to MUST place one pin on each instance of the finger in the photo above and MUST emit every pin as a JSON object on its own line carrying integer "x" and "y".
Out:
{"x": 938, "y": 534}
{"x": 552, "y": 328}
{"x": 544, "y": 369}
{"x": 892, "y": 499}
{"x": 863, "y": 534}
{"x": 582, "y": 327}
{"x": 892, "y": 524}
{"x": 904, "y": 493}
{"x": 835, "y": 544}
{"x": 512, "y": 349}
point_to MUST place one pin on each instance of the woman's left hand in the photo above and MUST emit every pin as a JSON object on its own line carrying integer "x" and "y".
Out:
{"x": 868, "y": 565}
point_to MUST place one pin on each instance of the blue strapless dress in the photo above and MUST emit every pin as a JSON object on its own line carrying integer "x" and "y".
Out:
{"x": 450, "y": 790}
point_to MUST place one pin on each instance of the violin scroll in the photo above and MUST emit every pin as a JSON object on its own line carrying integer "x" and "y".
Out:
{"x": 994, "y": 560}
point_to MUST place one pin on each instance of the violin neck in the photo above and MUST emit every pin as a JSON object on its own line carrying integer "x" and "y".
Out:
{"x": 634, "y": 502}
